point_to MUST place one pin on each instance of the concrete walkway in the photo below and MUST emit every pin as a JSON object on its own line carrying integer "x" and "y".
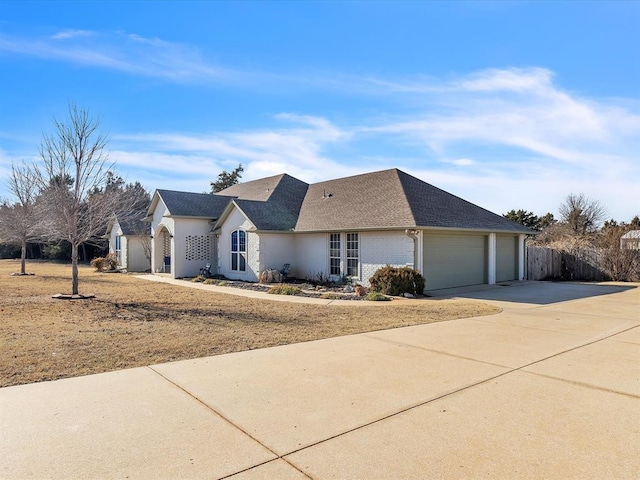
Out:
{"x": 548, "y": 388}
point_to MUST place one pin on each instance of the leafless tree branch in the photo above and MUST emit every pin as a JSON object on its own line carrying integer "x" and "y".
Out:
{"x": 75, "y": 204}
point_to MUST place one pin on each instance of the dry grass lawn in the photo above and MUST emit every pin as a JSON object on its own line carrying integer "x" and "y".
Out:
{"x": 132, "y": 322}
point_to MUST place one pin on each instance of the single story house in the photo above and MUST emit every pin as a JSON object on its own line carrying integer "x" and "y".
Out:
{"x": 344, "y": 227}
{"x": 130, "y": 240}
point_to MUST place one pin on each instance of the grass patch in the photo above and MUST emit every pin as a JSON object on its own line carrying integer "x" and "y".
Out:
{"x": 284, "y": 290}
{"x": 133, "y": 322}
{"x": 377, "y": 297}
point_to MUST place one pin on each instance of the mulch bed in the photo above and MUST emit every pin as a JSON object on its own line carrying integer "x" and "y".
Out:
{"x": 307, "y": 289}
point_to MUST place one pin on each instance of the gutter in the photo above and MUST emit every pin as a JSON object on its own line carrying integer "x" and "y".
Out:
{"x": 413, "y": 234}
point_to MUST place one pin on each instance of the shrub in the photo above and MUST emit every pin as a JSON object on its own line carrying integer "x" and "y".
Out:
{"x": 284, "y": 290}
{"x": 211, "y": 281}
{"x": 377, "y": 297}
{"x": 390, "y": 280}
{"x": 98, "y": 264}
{"x": 111, "y": 261}
{"x": 198, "y": 279}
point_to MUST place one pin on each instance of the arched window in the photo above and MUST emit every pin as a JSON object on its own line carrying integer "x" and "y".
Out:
{"x": 239, "y": 250}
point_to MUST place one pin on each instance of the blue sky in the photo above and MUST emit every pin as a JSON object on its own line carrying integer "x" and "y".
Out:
{"x": 506, "y": 104}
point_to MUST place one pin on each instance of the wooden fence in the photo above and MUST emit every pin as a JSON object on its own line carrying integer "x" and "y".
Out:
{"x": 551, "y": 264}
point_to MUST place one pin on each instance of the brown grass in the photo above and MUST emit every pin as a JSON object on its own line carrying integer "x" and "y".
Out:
{"x": 133, "y": 322}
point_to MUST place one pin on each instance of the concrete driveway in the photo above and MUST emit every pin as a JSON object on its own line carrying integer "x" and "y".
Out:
{"x": 549, "y": 388}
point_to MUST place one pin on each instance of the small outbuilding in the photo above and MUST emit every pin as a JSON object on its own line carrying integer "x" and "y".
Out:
{"x": 130, "y": 240}
{"x": 630, "y": 240}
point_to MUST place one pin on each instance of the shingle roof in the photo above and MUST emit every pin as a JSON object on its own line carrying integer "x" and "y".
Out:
{"x": 268, "y": 215}
{"x": 392, "y": 199}
{"x": 271, "y": 203}
{"x": 133, "y": 224}
{"x": 259, "y": 190}
{"x": 185, "y": 204}
{"x": 378, "y": 200}
{"x": 373, "y": 200}
{"x": 635, "y": 234}
{"x": 433, "y": 207}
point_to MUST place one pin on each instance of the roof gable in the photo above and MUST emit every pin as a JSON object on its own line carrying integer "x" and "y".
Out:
{"x": 186, "y": 204}
{"x": 129, "y": 223}
{"x": 259, "y": 190}
{"x": 271, "y": 203}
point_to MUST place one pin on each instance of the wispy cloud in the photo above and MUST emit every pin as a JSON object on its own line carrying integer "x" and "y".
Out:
{"x": 296, "y": 149}
{"x": 519, "y": 108}
{"x": 67, "y": 34}
{"x": 120, "y": 51}
{"x": 503, "y": 138}
{"x": 516, "y": 132}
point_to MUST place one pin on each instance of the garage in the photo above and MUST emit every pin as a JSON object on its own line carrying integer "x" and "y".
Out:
{"x": 506, "y": 258}
{"x": 454, "y": 260}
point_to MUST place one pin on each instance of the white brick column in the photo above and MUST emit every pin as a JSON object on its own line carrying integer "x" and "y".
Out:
{"x": 491, "y": 257}
{"x": 419, "y": 246}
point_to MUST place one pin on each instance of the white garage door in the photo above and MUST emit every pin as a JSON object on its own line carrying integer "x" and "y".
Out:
{"x": 454, "y": 260}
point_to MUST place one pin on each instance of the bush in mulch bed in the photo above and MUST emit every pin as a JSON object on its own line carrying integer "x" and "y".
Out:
{"x": 284, "y": 290}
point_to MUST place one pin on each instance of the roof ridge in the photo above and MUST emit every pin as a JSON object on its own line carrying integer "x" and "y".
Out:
{"x": 349, "y": 177}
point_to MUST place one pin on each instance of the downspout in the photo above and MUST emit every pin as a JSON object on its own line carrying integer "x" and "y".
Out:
{"x": 413, "y": 234}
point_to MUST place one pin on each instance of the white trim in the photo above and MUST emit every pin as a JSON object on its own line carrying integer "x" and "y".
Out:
{"x": 521, "y": 257}
{"x": 491, "y": 259}
{"x": 241, "y": 254}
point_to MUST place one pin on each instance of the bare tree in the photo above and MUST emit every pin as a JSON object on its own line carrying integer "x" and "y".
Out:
{"x": 620, "y": 264}
{"x": 72, "y": 178}
{"x": 18, "y": 222}
{"x": 581, "y": 214}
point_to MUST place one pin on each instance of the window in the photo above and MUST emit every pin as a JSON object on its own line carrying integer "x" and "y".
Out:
{"x": 344, "y": 259}
{"x": 334, "y": 254}
{"x": 352, "y": 255}
{"x": 239, "y": 251}
{"x": 118, "y": 249}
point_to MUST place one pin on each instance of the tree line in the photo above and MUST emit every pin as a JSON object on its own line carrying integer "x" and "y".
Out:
{"x": 581, "y": 228}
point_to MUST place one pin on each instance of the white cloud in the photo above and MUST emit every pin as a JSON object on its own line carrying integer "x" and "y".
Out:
{"x": 128, "y": 53}
{"x": 500, "y": 138}
{"x": 296, "y": 150}
{"x": 460, "y": 162}
{"x": 512, "y": 79}
{"x": 67, "y": 34}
